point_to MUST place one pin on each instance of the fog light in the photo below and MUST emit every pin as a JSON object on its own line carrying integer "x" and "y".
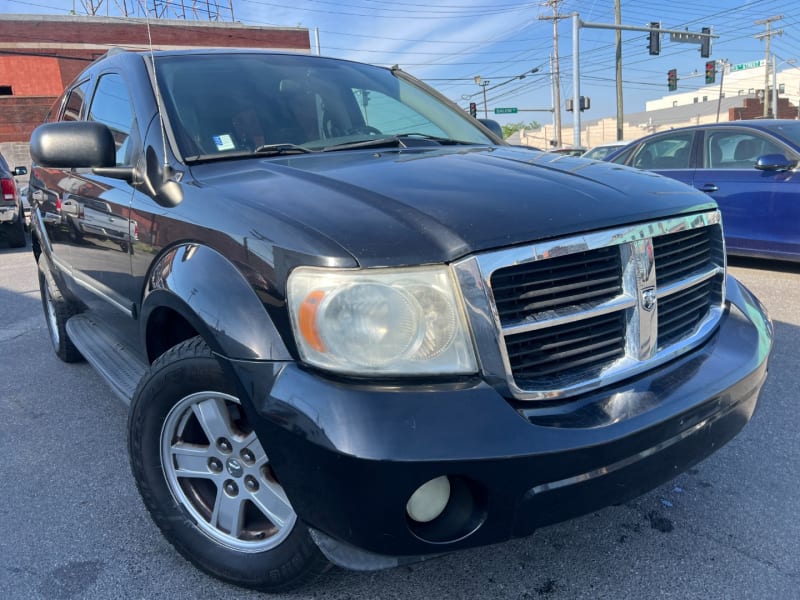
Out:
{"x": 429, "y": 500}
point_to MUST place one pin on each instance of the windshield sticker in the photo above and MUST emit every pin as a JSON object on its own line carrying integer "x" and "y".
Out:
{"x": 224, "y": 142}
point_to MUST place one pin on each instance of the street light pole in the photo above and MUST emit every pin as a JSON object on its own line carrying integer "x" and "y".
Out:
{"x": 483, "y": 83}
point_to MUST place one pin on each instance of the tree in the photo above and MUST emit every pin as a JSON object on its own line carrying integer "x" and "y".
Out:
{"x": 512, "y": 127}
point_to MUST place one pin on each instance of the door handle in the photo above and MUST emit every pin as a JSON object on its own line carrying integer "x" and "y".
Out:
{"x": 709, "y": 187}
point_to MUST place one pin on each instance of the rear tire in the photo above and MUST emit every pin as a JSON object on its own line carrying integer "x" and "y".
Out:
{"x": 206, "y": 481}
{"x": 57, "y": 311}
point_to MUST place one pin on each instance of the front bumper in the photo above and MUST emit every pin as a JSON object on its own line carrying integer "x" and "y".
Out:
{"x": 350, "y": 455}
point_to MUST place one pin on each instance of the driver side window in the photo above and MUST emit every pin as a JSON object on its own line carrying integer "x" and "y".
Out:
{"x": 736, "y": 149}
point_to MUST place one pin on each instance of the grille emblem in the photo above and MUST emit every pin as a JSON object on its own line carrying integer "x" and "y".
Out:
{"x": 648, "y": 298}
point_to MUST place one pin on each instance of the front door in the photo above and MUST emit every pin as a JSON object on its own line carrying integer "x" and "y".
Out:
{"x": 97, "y": 209}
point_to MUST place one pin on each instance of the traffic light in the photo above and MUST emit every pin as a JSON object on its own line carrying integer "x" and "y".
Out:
{"x": 711, "y": 71}
{"x": 705, "y": 43}
{"x": 655, "y": 39}
{"x": 672, "y": 80}
{"x": 473, "y": 109}
{"x": 585, "y": 104}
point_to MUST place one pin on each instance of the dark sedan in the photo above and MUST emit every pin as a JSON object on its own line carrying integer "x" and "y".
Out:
{"x": 749, "y": 167}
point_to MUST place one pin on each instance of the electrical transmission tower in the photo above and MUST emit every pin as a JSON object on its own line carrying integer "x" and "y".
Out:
{"x": 196, "y": 10}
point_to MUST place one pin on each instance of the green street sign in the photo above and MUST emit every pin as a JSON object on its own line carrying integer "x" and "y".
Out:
{"x": 505, "y": 111}
{"x": 748, "y": 65}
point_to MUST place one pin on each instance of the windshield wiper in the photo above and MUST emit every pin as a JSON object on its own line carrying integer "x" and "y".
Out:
{"x": 395, "y": 140}
{"x": 264, "y": 150}
{"x": 275, "y": 149}
{"x": 435, "y": 138}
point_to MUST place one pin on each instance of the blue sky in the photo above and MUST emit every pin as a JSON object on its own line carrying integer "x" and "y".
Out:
{"x": 449, "y": 42}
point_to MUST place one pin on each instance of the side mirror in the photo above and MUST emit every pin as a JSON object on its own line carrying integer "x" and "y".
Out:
{"x": 20, "y": 171}
{"x": 774, "y": 162}
{"x": 492, "y": 126}
{"x": 73, "y": 145}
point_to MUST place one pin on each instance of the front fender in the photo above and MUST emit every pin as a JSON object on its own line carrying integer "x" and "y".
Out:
{"x": 218, "y": 302}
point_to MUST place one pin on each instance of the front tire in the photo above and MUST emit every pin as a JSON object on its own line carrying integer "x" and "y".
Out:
{"x": 206, "y": 480}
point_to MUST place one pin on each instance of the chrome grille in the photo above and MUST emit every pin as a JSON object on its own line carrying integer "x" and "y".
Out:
{"x": 678, "y": 255}
{"x": 524, "y": 290}
{"x": 581, "y": 348}
{"x": 573, "y": 314}
{"x": 680, "y": 313}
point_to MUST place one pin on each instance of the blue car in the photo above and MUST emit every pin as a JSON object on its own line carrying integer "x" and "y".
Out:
{"x": 750, "y": 168}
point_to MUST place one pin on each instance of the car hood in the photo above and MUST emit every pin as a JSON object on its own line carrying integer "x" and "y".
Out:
{"x": 411, "y": 206}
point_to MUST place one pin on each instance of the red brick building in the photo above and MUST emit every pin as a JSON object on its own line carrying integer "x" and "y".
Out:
{"x": 41, "y": 54}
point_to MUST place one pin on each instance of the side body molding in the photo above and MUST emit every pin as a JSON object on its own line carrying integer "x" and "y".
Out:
{"x": 216, "y": 299}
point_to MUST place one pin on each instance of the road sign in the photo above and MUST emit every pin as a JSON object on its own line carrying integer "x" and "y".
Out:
{"x": 754, "y": 64}
{"x": 505, "y": 111}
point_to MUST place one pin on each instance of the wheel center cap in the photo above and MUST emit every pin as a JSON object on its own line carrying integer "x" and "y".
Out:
{"x": 234, "y": 467}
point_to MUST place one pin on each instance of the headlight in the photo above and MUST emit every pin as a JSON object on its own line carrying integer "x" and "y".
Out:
{"x": 380, "y": 321}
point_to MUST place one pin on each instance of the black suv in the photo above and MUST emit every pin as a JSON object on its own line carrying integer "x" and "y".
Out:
{"x": 12, "y": 214}
{"x": 354, "y": 326}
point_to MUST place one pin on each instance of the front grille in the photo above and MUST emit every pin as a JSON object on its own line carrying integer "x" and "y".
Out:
{"x": 680, "y": 313}
{"x": 678, "y": 255}
{"x": 579, "y": 348}
{"x": 525, "y": 290}
{"x": 577, "y": 313}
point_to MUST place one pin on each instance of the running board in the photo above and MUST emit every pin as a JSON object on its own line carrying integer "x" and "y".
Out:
{"x": 115, "y": 361}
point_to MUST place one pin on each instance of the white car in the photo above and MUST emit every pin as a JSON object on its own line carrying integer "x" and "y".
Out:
{"x": 600, "y": 151}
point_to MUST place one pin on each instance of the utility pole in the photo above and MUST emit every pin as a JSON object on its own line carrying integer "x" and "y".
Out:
{"x": 483, "y": 83}
{"x": 618, "y": 32}
{"x": 556, "y": 78}
{"x": 722, "y": 65}
{"x": 768, "y": 36}
{"x": 774, "y": 88}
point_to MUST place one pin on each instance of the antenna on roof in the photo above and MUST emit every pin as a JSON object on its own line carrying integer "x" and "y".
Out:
{"x": 157, "y": 90}
{"x": 165, "y": 191}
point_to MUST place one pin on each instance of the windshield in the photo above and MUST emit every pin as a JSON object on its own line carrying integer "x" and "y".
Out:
{"x": 230, "y": 104}
{"x": 788, "y": 130}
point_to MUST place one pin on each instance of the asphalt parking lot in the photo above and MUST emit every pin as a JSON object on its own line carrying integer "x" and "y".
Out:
{"x": 72, "y": 524}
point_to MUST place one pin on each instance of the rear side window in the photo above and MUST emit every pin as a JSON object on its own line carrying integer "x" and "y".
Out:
{"x": 111, "y": 106}
{"x": 73, "y": 107}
